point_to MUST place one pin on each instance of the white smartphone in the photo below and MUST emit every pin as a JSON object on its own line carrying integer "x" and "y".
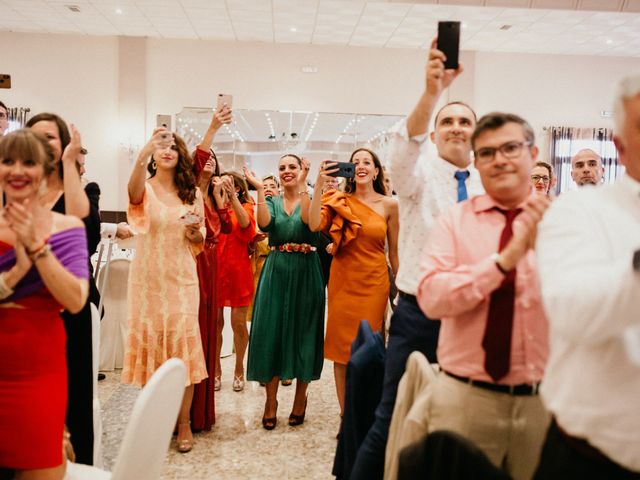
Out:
{"x": 224, "y": 99}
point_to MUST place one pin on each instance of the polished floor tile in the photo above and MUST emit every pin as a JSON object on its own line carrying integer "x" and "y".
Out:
{"x": 238, "y": 447}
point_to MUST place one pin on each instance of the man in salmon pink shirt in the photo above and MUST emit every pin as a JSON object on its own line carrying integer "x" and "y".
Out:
{"x": 479, "y": 277}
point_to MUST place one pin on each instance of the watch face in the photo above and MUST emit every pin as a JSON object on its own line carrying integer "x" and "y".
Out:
{"x": 636, "y": 261}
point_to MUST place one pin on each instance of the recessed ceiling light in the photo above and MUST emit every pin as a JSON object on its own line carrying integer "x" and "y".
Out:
{"x": 118, "y": 11}
{"x": 609, "y": 41}
{"x": 293, "y": 29}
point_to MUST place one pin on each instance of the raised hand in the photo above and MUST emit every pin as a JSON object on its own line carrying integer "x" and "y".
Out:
{"x": 437, "y": 78}
{"x": 72, "y": 150}
{"x": 228, "y": 186}
{"x": 326, "y": 168}
{"x": 222, "y": 116}
{"x": 304, "y": 172}
{"x": 252, "y": 178}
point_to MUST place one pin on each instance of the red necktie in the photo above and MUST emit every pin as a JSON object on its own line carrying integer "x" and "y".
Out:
{"x": 497, "y": 335}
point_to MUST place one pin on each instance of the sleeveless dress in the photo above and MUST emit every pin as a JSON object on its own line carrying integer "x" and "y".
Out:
{"x": 288, "y": 313}
{"x": 359, "y": 283}
{"x": 163, "y": 292}
{"x": 33, "y": 366}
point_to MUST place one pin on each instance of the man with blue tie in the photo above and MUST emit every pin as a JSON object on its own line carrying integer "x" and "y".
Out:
{"x": 426, "y": 184}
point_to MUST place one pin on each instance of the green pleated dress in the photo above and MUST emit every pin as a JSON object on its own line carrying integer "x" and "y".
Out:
{"x": 287, "y": 329}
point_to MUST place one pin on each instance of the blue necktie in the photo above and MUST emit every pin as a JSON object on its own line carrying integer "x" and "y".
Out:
{"x": 461, "y": 176}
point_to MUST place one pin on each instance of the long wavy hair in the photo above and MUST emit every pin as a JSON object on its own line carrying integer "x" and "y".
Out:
{"x": 378, "y": 182}
{"x": 241, "y": 183}
{"x": 216, "y": 173}
{"x": 183, "y": 175}
{"x": 63, "y": 133}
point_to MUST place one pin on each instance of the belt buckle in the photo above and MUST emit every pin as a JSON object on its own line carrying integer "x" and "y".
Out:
{"x": 512, "y": 389}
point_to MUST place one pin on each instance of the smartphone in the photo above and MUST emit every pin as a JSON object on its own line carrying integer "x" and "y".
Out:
{"x": 223, "y": 99}
{"x": 5, "y": 81}
{"x": 449, "y": 42}
{"x": 163, "y": 121}
{"x": 345, "y": 169}
{"x": 189, "y": 218}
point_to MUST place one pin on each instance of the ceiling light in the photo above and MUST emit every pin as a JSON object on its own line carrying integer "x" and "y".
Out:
{"x": 609, "y": 41}
{"x": 118, "y": 11}
{"x": 309, "y": 69}
{"x": 293, "y": 29}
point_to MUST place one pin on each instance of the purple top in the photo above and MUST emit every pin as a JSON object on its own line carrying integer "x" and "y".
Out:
{"x": 70, "y": 248}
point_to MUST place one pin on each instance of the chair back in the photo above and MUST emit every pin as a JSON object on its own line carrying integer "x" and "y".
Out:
{"x": 113, "y": 329}
{"x": 148, "y": 433}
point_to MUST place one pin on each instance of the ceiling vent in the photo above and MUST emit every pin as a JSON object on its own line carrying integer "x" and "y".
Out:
{"x": 73, "y": 8}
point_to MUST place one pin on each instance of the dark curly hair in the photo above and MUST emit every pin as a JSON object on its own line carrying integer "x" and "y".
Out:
{"x": 183, "y": 176}
{"x": 378, "y": 182}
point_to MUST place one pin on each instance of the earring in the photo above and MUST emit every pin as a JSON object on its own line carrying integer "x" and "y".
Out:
{"x": 375, "y": 176}
{"x": 154, "y": 165}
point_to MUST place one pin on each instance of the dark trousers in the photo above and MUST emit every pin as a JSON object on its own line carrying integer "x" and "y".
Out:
{"x": 410, "y": 330}
{"x": 574, "y": 459}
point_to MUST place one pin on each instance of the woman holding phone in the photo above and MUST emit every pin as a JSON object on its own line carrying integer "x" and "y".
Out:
{"x": 287, "y": 327}
{"x": 217, "y": 221}
{"x": 360, "y": 222}
{"x": 43, "y": 267}
{"x": 167, "y": 210}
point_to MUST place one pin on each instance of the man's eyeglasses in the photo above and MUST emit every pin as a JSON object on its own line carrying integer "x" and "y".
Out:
{"x": 537, "y": 178}
{"x": 507, "y": 150}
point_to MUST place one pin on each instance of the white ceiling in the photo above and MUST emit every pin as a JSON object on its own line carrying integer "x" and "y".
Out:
{"x": 575, "y": 27}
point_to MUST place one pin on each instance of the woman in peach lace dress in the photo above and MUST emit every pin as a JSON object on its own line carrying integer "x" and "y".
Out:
{"x": 167, "y": 210}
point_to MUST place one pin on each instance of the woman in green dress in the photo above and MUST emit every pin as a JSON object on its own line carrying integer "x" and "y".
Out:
{"x": 288, "y": 315}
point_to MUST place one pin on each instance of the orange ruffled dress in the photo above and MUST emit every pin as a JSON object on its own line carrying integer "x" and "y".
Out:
{"x": 359, "y": 282}
{"x": 163, "y": 292}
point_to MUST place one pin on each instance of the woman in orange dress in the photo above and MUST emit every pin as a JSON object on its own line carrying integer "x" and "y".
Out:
{"x": 360, "y": 221}
{"x": 167, "y": 211}
{"x": 235, "y": 279}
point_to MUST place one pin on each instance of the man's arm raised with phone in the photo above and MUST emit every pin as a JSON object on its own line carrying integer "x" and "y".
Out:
{"x": 436, "y": 81}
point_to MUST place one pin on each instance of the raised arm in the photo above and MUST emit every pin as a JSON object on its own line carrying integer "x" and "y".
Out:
{"x": 139, "y": 173}
{"x": 264, "y": 217}
{"x": 75, "y": 198}
{"x": 303, "y": 191}
{"x": 315, "y": 209}
{"x": 241, "y": 214}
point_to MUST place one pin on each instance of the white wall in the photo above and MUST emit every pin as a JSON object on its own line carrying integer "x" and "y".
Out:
{"x": 113, "y": 88}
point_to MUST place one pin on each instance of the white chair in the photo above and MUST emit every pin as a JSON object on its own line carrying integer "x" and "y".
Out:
{"x": 148, "y": 434}
{"x": 97, "y": 415}
{"x": 113, "y": 279}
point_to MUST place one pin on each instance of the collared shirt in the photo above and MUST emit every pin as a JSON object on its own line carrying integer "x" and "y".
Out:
{"x": 425, "y": 185}
{"x": 458, "y": 276}
{"x": 592, "y": 295}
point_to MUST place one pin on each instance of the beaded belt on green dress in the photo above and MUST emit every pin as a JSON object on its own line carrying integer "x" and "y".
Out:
{"x": 294, "y": 247}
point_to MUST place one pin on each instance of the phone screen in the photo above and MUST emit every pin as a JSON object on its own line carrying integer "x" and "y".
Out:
{"x": 449, "y": 42}
{"x": 345, "y": 169}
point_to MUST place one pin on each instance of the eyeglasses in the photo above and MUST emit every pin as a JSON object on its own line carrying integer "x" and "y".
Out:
{"x": 507, "y": 150}
{"x": 537, "y": 178}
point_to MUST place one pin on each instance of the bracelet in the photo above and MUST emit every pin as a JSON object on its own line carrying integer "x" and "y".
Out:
{"x": 5, "y": 290}
{"x": 41, "y": 252}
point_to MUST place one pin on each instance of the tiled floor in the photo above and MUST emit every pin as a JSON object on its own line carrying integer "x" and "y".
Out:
{"x": 238, "y": 447}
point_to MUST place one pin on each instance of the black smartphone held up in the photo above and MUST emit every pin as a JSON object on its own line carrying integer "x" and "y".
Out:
{"x": 449, "y": 42}
{"x": 345, "y": 169}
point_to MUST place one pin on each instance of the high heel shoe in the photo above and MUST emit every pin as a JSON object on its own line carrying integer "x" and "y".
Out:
{"x": 185, "y": 445}
{"x": 295, "y": 420}
{"x": 238, "y": 383}
{"x": 270, "y": 423}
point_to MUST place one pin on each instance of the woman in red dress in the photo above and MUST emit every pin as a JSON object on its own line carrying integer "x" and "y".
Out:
{"x": 217, "y": 221}
{"x": 44, "y": 267}
{"x": 235, "y": 279}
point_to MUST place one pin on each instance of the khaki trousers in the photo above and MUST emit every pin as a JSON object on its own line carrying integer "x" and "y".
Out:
{"x": 509, "y": 429}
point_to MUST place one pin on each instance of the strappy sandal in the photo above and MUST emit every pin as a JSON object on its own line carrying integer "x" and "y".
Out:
{"x": 186, "y": 444}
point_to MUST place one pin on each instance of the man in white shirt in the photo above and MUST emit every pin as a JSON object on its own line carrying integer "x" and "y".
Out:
{"x": 425, "y": 186}
{"x": 586, "y": 247}
{"x": 586, "y": 168}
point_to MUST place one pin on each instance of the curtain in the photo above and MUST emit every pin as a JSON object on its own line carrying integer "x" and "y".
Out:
{"x": 17, "y": 117}
{"x": 567, "y": 141}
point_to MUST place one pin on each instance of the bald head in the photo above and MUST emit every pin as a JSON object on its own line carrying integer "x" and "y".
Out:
{"x": 586, "y": 168}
